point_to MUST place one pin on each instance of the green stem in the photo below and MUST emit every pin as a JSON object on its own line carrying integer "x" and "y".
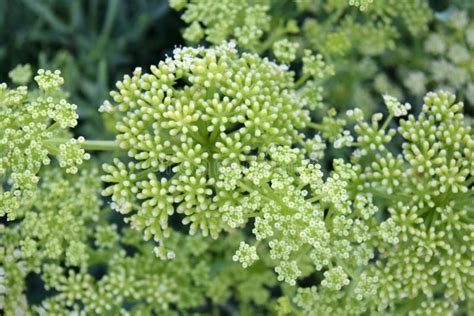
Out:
{"x": 142, "y": 175}
{"x": 53, "y": 127}
{"x": 315, "y": 125}
{"x": 301, "y": 80}
{"x": 100, "y": 145}
{"x": 88, "y": 144}
{"x": 52, "y": 150}
{"x": 214, "y": 135}
{"x": 274, "y": 36}
{"x": 387, "y": 121}
{"x": 198, "y": 137}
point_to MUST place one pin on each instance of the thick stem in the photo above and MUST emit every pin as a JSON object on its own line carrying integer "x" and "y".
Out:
{"x": 315, "y": 125}
{"x": 88, "y": 144}
{"x": 100, "y": 145}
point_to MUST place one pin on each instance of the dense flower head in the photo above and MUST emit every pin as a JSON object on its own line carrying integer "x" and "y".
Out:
{"x": 300, "y": 217}
{"x": 424, "y": 163}
{"x": 51, "y": 227}
{"x": 49, "y": 80}
{"x": 425, "y": 243}
{"x": 246, "y": 255}
{"x": 335, "y": 279}
{"x": 71, "y": 154}
{"x": 196, "y": 112}
{"x": 314, "y": 66}
{"x": 428, "y": 232}
{"x": 29, "y": 121}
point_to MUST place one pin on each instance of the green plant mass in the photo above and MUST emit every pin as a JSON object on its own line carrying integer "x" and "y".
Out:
{"x": 237, "y": 157}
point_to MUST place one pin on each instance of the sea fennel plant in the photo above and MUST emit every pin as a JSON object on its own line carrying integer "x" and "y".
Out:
{"x": 305, "y": 221}
{"x": 310, "y": 212}
{"x": 331, "y": 230}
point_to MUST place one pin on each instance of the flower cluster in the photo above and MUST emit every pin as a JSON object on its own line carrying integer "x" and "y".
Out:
{"x": 430, "y": 223}
{"x": 285, "y": 51}
{"x": 349, "y": 33}
{"x": 197, "y": 111}
{"x": 48, "y": 80}
{"x": 30, "y": 121}
{"x": 215, "y": 21}
{"x": 394, "y": 106}
{"x": 71, "y": 154}
{"x": 361, "y": 4}
{"x": 353, "y": 40}
{"x": 425, "y": 244}
{"x": 246, "y": 255}
{"x": 89, "y": 266}
{"x": 53, "y": 228}
{"x": 300, "y": 217}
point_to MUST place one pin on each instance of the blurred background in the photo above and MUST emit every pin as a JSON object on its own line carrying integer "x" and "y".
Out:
{"x": 93, "y": 43}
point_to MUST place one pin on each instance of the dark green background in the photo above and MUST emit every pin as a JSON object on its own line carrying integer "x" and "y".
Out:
{"x": 93, "y": 43}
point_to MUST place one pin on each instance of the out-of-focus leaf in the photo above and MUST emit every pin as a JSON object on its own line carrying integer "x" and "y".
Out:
{"x": 47, "y": 15}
